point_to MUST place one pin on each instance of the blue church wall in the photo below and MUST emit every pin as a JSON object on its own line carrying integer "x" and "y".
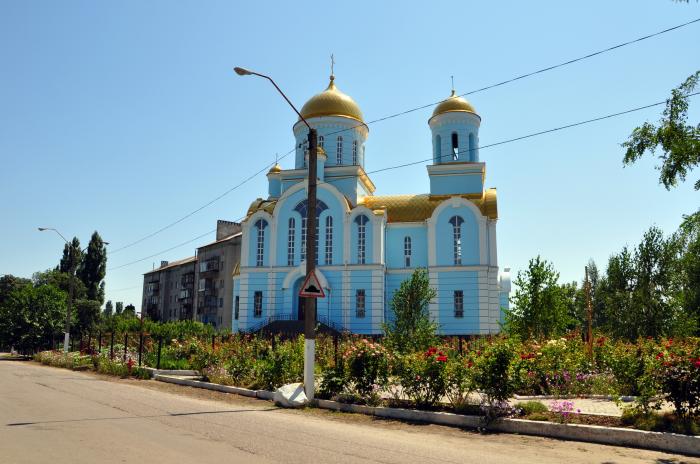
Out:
{"x": 374, "y": 308}
{"x": 394, "y": 248}
{"x": 468, "y": 283}
{"x": 455, "y": 183}
{"x": 331, "y": 306}
{"x": 257, "y": 281}
{"x": 469, "y": 234}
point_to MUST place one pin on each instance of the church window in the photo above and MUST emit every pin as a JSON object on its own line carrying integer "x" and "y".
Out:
{"x": 361, "y": 238}
{"x": 472, "y": 148}
{"x": 320, "y": 141}
{"x": 360, "y": 303}
{"x": 290, "y": 242}
{"x": 257, "y": 304}
{"x": 459, "y": 303}
{"x": 438, "y": 149}
{"x": 260, "y": 225}
{"x": 329, "y": 240}
{"x": 455, "y": 146}
{"x": 302, "y": 208}
{"x": 407, "y": 251}
{"x": 354, "y": 152}
{"x": 456, "y": 222}
{"x": 236, "y": 307}
{"x": 339, "y": 150}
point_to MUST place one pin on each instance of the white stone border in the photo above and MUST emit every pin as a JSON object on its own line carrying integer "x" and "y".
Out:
{"x": 659, "y": 441}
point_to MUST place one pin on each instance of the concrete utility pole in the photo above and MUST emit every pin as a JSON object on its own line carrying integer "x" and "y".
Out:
{"x": 589, "y": 311}
{"x": 310, "y": 305}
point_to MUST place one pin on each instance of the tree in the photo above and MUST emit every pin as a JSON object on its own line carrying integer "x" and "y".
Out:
{"x": 72, "y": 256}
{"x": 686, "y": 275}
{"x": 61, "y": 280}
{"x": 574, "y": 300}
{"x": 87, "y": 315}
{"x": 8, "y": 283}
{"x": 119, "y": 308}
{"x": 678, "y": 140}
{"x": 93, "y": 267}
{"x": 31, "y": 315}
{"x": 109, "y": 308}
{"x": 639, "y": 291}
{"x": 410, "y": 329}
{"x": 129, "y": 311}
{"x": 539, "y": 308}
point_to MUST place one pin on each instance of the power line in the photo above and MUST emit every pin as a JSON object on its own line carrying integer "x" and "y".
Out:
{"x": 384, "y": 118}
{"x": 163, "y": 251}
{"x": 191, "y": 213}
{"x": 398, "y": 166}
{"x": 529, "y": 74}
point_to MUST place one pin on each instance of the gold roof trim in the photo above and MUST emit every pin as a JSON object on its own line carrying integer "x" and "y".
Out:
{"x": 452, "y": 104}
{"x": 418, "y": 208}
{"x": 236, "y": 269}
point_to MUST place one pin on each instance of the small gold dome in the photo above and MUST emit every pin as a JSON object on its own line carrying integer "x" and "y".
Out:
{"x": 331, "y": 102}
{"x": 275, "y": 169}
{"x": 453, "y": 104}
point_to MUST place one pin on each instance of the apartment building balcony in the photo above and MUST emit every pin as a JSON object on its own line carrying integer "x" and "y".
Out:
{"x": 210, "y": 265}
{"x": 207, "y": 304}
{"x": 187, "y": 280}
{"x": 185, "y": 294}
{"x": 152, "y": 288}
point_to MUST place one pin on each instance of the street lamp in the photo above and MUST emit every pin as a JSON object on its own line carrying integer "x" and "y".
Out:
{"x": 310, "y": 306}
{"x": 71, "y": 271}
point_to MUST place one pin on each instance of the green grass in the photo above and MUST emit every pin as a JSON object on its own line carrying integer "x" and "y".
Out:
{"x": 531, "y": 407}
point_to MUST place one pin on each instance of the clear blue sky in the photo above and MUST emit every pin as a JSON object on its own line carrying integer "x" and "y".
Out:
{"x": 122, "y": 117}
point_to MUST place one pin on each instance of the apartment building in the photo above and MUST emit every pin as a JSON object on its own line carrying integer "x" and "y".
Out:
{"x": 168, "y": 291}
{"x": 199, "y": 287}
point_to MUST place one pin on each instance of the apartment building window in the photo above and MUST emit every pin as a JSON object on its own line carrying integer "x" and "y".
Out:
{"x": 407, "y": 251}
{"x": 290, "y": 242}
{"x": 329, "y": 240}
{"x": 361, "y": 238}
{"x": 202, "y": 285}
{"x": 257, "y": 304}
{"x": 459, "y": 303}
{"x": 360, "y": 303}
{"x": 221, "y": 302}
{"x": 260, "y": 255}
{"x": 236, "y": 307}
{"x": 456, "y": 222}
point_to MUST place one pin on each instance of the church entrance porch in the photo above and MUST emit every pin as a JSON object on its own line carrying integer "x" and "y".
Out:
{"x": 301, "y": 308}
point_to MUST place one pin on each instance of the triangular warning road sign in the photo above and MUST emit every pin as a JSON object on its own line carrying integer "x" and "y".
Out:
{"x": 312, "y": 287}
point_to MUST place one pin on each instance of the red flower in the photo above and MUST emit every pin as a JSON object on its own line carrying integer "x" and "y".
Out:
{"x": 659, "y": 356}
{"x": 470, "y": 363}
{"x": 697, "y": 363}
{"x": 442, "y": 358}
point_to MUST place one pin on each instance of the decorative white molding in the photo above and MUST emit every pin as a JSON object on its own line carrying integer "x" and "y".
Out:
{"x": 300, "y": 271}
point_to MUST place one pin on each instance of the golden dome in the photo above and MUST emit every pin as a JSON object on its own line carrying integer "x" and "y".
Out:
{"x": 453, "y": 104}
{"x": 331, "y": 102}
{"x": 275, "y": 169}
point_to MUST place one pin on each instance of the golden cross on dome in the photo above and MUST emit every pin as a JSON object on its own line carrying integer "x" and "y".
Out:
{"x": 453, "y": 83}
{"x": 332, "y": 63}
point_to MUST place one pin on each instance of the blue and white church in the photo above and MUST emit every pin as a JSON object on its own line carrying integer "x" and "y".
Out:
{"x": 368, "y": 244}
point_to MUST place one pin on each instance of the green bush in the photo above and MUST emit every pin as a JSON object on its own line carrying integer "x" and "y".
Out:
{"x": 459, "y": 377}
{"x": 493, "y": 373}
{"x": 367, "y": 367}
{"x": 280, "y": 365}
{"x": 333, "y": 381}
{"x": 531, "y": 407}
{"x": 423, "y": 376}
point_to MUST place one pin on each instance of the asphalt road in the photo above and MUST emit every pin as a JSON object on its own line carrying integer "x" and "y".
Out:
{"x": 60, "y": 416}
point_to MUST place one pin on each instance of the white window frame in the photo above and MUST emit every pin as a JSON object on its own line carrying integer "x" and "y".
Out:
{"x": 459, "y": 303}
{"x": 407, "y": 250}
{"x": 360, "y": 303}
{"x": 329, "y": 240}
{"x": 290, "y": 241}
{"x": 339, "y": 150}
{"x": 257, "y": 304}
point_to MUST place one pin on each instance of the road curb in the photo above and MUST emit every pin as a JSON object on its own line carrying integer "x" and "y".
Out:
{"x": 659, "y": 441}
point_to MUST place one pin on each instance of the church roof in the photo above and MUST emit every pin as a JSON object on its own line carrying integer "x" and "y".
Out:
{"x": 417, "y": 208}
{"x": 452, "y": 104}
{"x": 331, "y": 102}
{"x": 406, "y": 208}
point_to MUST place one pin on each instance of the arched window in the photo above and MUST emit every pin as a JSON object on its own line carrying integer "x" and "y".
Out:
{"x": 438, "y": 149}
{"x": 455, "y": 146}
{"x": 339, "y": 150}
{"x": 329, "y": 240}
{"x": 260, "y": 224}
{"x": 320, "y": 141}
{"x": 354, "y": 152}
{"x": 456, "y": 222}
{"x": 290, "y": 242}
{"x": 361, "y": 222}
{"x": 472, "y": 147}
{"x": 407, "y": 251}
{"x": 302, "y": 252}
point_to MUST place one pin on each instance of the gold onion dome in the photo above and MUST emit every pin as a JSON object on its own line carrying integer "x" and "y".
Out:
{"x": 275, "y": 169}
{"x": 453, "y": 104}
{"x": 331, "y": 102}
